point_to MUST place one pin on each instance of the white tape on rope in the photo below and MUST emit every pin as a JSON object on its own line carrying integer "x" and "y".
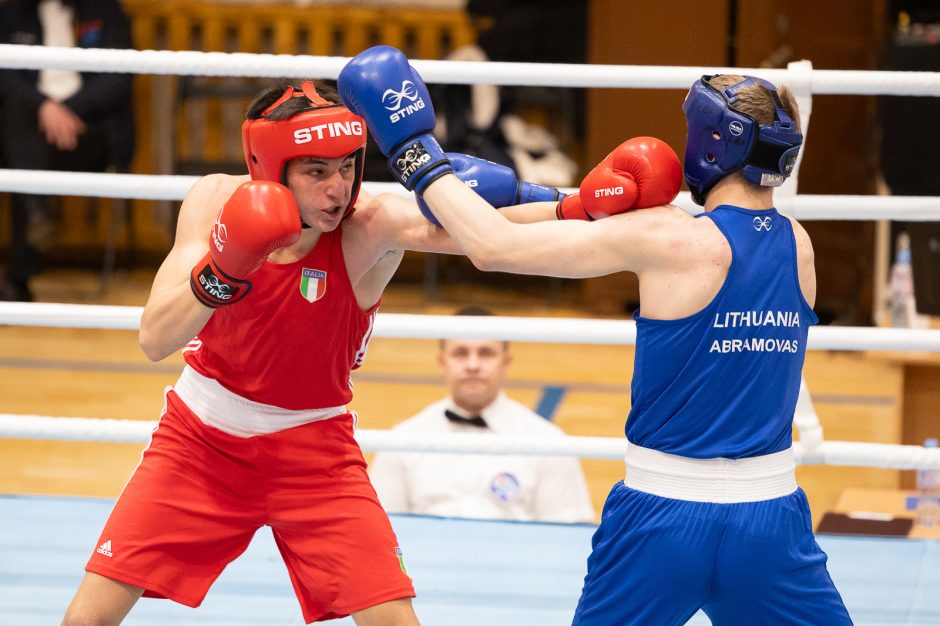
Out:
{"x": 128, "y": 186}
{"x": 530, "y": 329}
{"x": 605, "y": 448}
{"x": 609, "y": 448}
{"x": 189, "y": 63}
{"x": 132, "y": 431}
{"x": 97, "y": 184}
{"x": 70, "y": 315}
{"x": 75, "y": 429}
{"x": 171, "y": 187}
{"x": 884, "y": 455}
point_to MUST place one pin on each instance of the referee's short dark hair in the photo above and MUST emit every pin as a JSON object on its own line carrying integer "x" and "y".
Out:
{"x": 478, "y": 311}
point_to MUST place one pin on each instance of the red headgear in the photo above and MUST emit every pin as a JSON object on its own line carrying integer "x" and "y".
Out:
{"x": 325, "y": 129}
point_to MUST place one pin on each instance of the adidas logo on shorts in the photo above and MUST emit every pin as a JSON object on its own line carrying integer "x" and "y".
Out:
{"x": 105, "y": 549}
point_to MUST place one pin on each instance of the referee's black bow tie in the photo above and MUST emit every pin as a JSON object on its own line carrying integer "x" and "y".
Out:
{"x": 476, "y": 420}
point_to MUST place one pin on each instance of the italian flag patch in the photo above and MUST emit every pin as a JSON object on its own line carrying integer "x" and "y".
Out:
{"x": 312, "y": 284}
{"x": 401, "y": 559}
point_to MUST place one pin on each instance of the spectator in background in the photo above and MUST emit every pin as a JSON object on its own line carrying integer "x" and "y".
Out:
{"x": 480, "y": 486}
{"x": 474, "y": 120}
{"x": 59, "y": 119}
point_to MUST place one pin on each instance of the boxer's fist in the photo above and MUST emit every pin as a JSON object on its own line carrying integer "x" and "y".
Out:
{"x": 260, "y": 217}
{"x": 650, "y": 163}
{"x": 640, "y": 173}
{"x": 380, "y": 86}
{"x": 495, "y": 183}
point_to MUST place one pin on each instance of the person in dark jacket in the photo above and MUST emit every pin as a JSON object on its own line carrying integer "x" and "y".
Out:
{"x": 57, "y": 119}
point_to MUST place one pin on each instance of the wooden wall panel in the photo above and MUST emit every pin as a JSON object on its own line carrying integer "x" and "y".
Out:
{"x": 841, "y": 150}
{"x": 672, "y": 32}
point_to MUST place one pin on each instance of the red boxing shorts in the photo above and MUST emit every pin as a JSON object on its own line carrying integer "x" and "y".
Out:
{"x": 199, "y": 495}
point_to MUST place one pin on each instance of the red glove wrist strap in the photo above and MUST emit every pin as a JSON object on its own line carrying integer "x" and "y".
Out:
{"x": 215, "y": 288}
{"x": 570, "y": 208}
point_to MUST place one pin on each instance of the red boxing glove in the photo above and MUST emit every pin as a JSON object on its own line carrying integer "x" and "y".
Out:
{"x": 260, "y": 217}
{"x": 640, "y": 173}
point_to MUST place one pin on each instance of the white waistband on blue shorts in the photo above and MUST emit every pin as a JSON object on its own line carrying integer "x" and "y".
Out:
{"x": 227, "y": 411}
{"x": 716, "y": 480}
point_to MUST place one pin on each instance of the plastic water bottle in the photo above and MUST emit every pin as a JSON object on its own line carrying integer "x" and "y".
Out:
{"x": 928, "y": 494}
{"x": 902, "y": 305}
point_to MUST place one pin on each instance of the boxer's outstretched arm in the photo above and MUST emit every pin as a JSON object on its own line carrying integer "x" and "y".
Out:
{"x": 530, "y": 213}
{"x": 398, "y": 223}
{"x": 500, "y": 187}
{"x": 374, "y": 82}
{"x": 571, "y": 249}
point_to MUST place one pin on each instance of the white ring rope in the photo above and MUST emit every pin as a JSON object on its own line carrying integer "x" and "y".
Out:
{"x": 811, "y": 449}
{"x": 889, "y": 456}
{"x": 171, "y": 187}
{"x": 131, "y": 186}
{"x": 530, "y": 329}
{"x": 99, "y": 184}
{"x": 847, "y": 82}
{"x": 135, "y": 186}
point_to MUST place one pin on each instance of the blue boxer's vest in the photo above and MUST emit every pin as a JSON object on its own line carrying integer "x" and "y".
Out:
{"x": 720, "y": 383}
{"x": 724, "y": 381}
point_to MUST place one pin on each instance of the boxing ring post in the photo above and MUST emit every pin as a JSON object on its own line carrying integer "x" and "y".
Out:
{"x": 800, "y": 82}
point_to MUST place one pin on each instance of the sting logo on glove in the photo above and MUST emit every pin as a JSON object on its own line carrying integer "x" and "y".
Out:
{"x": 413, "y": 158}
{"x": 392, "y": 99}
{"x": 219, "y": 235}
{"x": 215, "y": 291}
{"x": 401, "y": 119}
{"x": 608, "y": 191}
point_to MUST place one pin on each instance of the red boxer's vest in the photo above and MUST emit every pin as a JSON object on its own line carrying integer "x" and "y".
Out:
{"x": 293, "y": 340}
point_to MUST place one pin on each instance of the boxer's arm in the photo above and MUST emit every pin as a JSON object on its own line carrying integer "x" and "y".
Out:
{"x": 367, "y": 85}
{"x": 806, "y": 265}
{"x": 500, "y": 187}
{"x": 172, "y": 316}
{"x": 530, "y": 213}
{"x": 400, "y": 226}
{"x": 631, "y": 241}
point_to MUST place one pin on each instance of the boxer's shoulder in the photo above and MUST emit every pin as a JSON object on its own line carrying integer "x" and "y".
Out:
{"x": 217, "y": 184}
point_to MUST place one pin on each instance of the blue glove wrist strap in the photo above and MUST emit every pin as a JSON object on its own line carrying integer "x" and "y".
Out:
{"x": 413, "y": 161}
{"x": 530, "y": 192}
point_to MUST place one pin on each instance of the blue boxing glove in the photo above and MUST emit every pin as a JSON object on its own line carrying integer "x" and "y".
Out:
{"x": 495, "y": 183}
{"x": 379, "y": 85}
{"x": 498, "y": 184}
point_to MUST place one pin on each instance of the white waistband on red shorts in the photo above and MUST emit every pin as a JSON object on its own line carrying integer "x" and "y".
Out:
{"x": 716, "y": 480}
{"x": 220, "y": 408}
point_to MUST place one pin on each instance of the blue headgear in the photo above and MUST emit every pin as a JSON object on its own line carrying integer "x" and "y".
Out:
{"x": 722, "y": 140}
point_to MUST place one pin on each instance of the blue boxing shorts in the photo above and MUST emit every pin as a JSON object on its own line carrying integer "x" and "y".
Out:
{"x": 657, "y": 560}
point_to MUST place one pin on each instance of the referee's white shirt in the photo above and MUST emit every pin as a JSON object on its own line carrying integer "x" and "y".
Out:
{"x": 482, "y": 486}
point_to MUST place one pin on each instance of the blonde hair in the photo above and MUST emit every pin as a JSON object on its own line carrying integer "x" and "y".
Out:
{"x": 755, "y": 100}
